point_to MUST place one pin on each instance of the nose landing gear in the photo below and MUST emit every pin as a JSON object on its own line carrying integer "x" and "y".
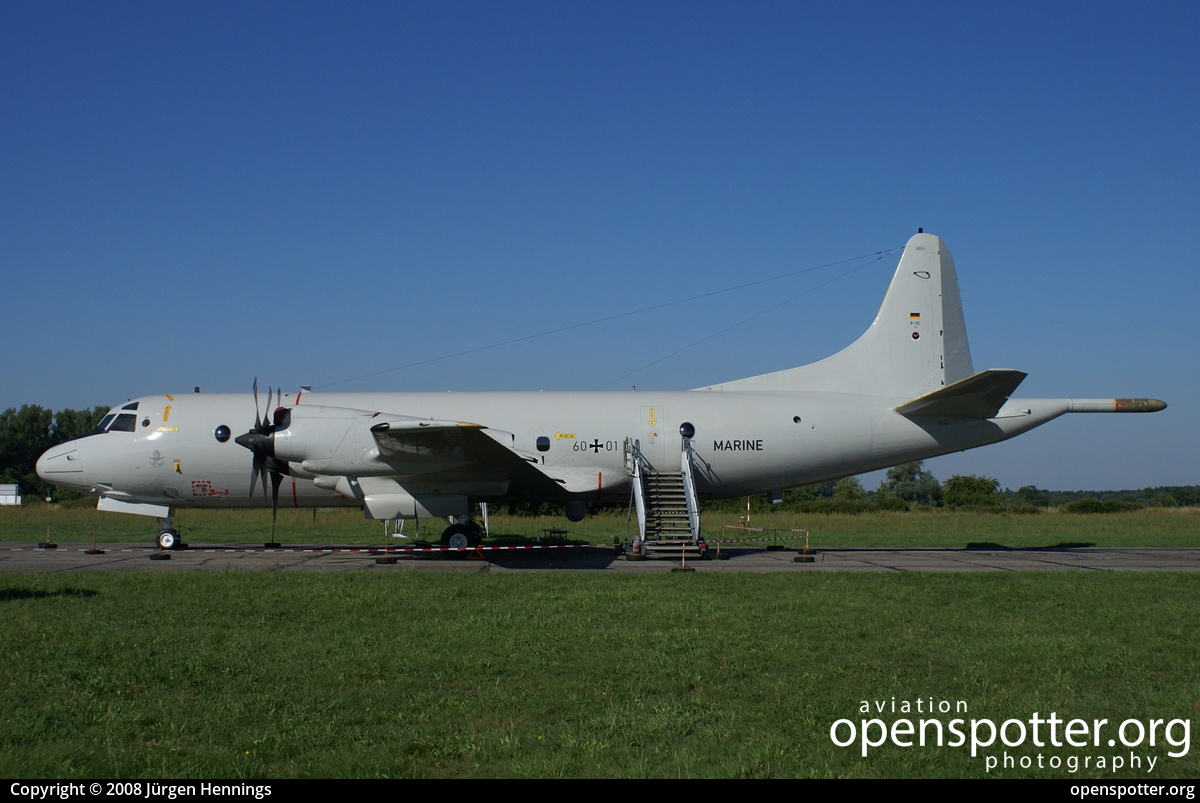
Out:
{"x": 169, "y": 539}
{"x": 168, "y": 536}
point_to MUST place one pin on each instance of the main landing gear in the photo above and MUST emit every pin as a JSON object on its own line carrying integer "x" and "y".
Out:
{"x": 464, "y": 535}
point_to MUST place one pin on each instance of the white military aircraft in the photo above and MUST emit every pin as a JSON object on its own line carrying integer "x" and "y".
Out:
{"x": 903, "y": 391}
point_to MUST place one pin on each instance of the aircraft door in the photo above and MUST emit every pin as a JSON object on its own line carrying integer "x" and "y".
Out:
{"x": 652, "y": 434}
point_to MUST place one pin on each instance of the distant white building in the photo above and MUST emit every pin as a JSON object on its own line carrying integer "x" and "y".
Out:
{"x": 9, "y": 495}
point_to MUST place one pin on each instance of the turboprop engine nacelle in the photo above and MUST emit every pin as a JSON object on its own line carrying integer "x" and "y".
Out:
{"x": 318, "y": 440}
{"x": 336, "y": 441}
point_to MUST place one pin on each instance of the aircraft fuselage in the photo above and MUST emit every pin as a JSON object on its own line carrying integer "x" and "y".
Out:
{"x": 182, "y": 453}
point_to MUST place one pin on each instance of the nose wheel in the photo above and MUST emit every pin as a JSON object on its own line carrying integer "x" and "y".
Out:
{"x": 169, "y": 539}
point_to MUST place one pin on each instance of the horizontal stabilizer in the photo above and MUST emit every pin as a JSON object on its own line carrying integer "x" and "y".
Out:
{"x": 978, "y": 396}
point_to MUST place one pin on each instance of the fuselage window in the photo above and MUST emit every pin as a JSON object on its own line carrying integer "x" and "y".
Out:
{"x": 543, "y": 443}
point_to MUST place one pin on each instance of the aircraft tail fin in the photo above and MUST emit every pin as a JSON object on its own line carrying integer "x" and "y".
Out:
{"x": 916, "y": 345}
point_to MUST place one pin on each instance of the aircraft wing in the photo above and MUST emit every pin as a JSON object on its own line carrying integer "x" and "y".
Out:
{"x": 463, "y": 449}
{"x": 400, "y": 454}
{"x": 978, "y": 396}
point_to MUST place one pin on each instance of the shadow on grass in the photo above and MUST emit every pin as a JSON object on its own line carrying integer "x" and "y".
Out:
{"x": 26, "y": 593}
{"x": 1050, "y": 548}
{"x": 499, "y": 539}
{"x": 495, "y": 539}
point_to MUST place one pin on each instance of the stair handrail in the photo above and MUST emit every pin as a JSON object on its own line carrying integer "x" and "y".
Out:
{"x": 689, "y": 488}
{"x": 634, "y": 465}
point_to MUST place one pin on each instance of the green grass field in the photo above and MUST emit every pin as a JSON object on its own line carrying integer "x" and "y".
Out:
{"x": 409, "y": 674}
{"x": 237, "y": 675}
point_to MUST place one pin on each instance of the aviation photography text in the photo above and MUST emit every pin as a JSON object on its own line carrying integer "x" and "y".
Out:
{"x": 1105, "y": 746}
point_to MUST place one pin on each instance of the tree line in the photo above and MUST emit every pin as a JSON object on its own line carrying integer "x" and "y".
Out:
{"x": 910, "y": 487}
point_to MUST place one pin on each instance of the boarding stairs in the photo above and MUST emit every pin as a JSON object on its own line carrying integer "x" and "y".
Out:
{"x": 668, "y": 511}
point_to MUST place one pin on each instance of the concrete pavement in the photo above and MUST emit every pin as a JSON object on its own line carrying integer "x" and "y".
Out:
{"x": 17, "y": 558}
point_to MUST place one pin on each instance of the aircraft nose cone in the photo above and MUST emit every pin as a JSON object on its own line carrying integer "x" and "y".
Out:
{"x": 61, "y": 466}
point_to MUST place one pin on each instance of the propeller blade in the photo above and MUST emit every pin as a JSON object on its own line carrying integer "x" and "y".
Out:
{"x": 276, "y": 481}
{"x": 260, "y": 441}
{"x": 256, "y": 418}
{"x": 266, "y": 419}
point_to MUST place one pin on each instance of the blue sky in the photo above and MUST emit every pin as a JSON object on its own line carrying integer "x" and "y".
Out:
{"x": 198, "y": 194}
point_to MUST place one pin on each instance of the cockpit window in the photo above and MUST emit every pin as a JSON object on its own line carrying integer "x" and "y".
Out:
{"x": 104, "y": 422}
{"x": 130, "y": 406}
{"x": 126, "y": 422}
